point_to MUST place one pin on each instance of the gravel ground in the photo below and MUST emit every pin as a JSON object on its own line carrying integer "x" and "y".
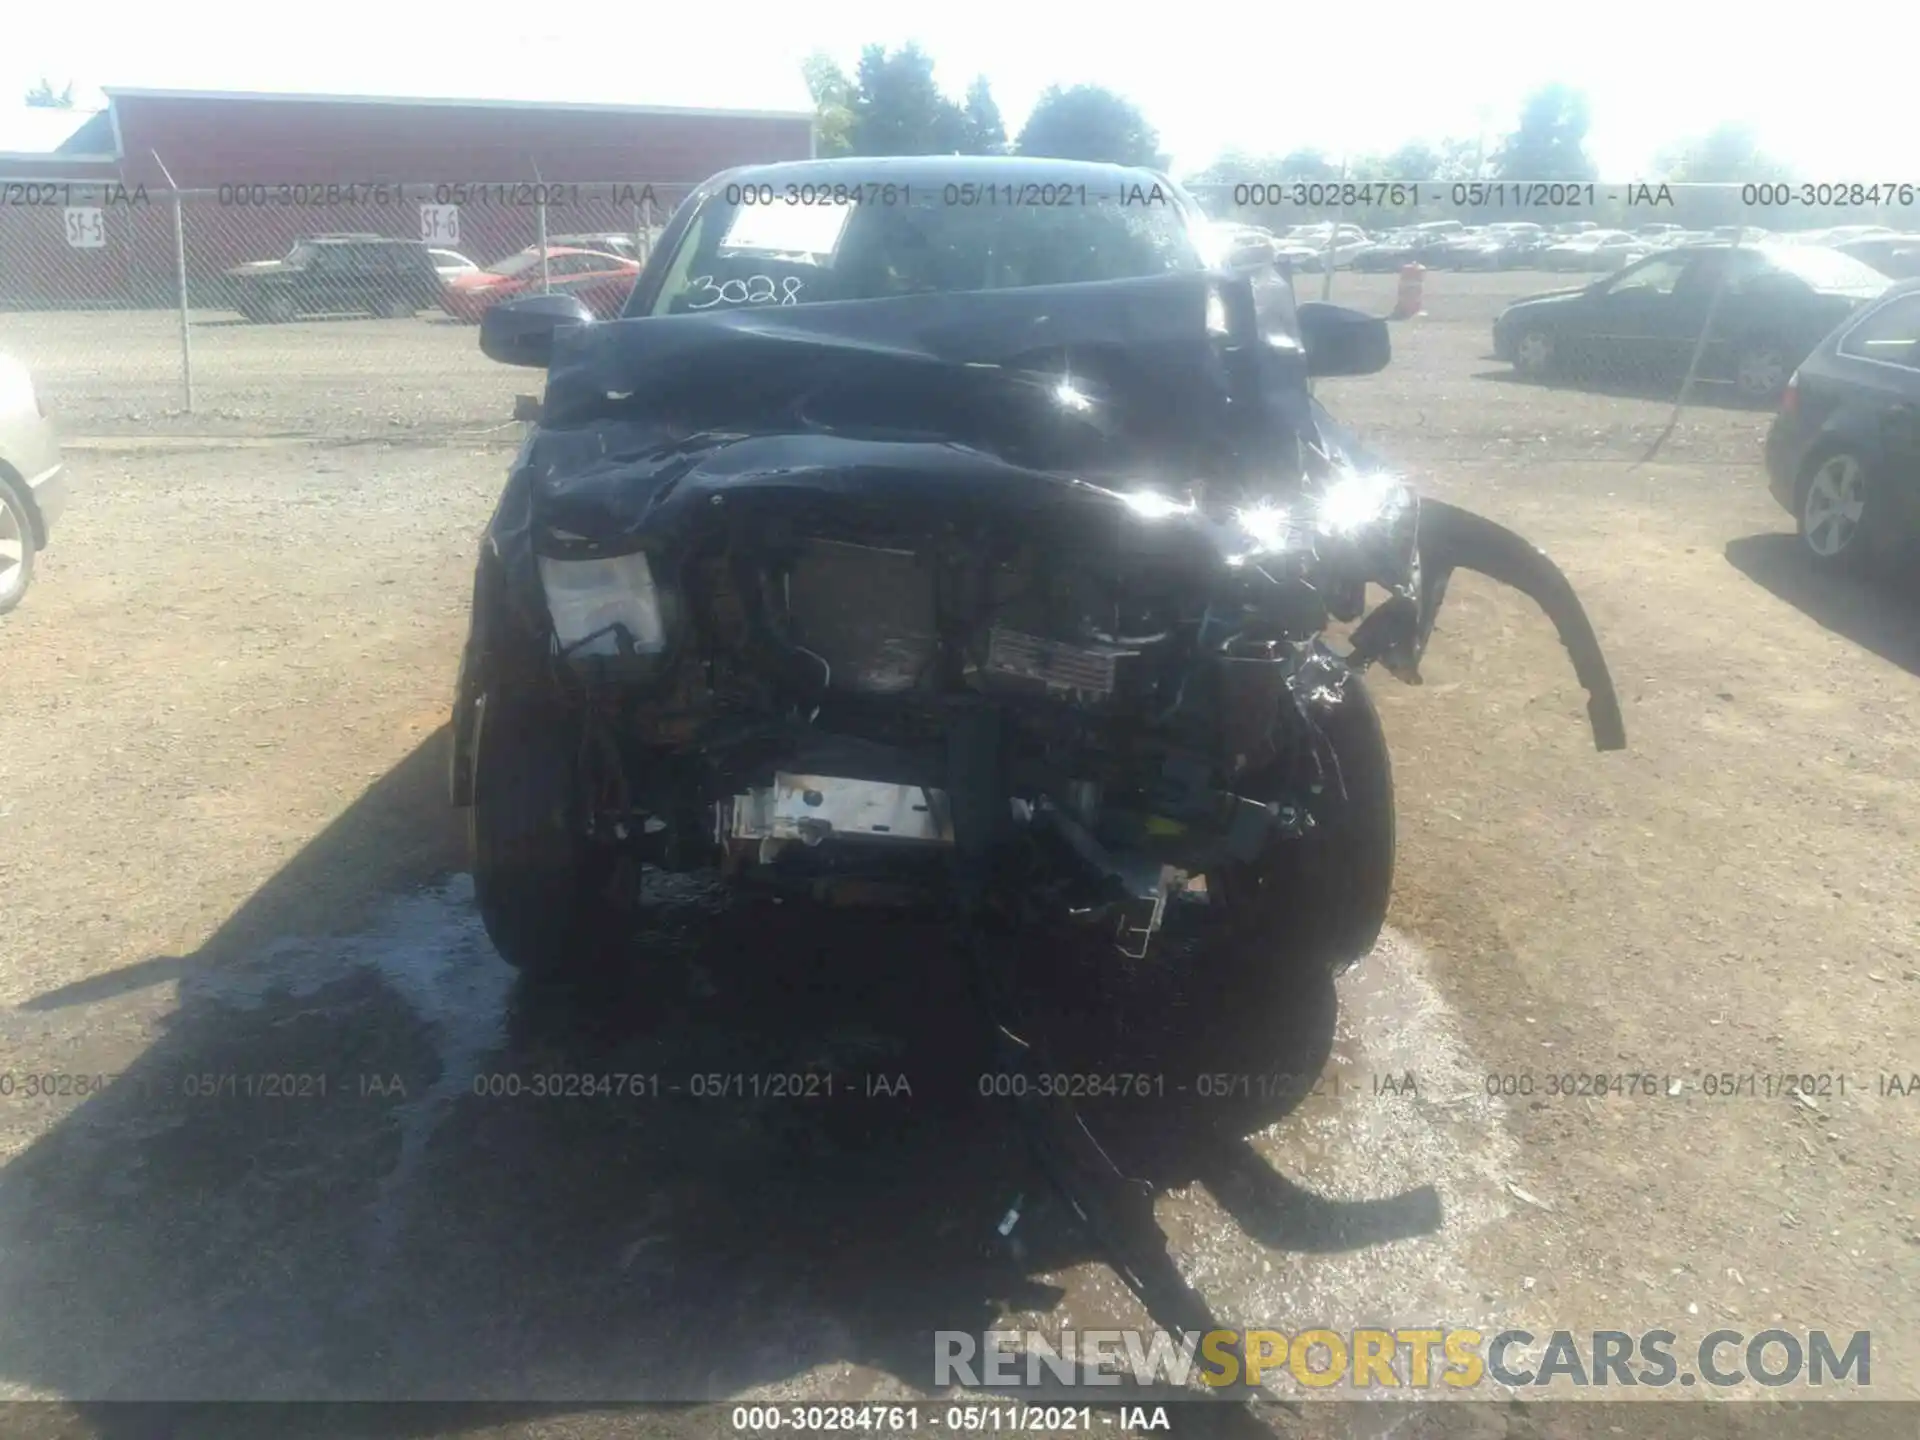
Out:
{"x": 224, "y": 850}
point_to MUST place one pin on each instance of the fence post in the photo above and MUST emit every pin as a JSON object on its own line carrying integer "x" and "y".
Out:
{"x": 639, "y": 233}
{"x": 180, "y": 278}
{"x": 540, "y": 219}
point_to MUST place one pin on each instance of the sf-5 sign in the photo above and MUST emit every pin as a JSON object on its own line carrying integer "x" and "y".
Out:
{"x": 86, "y": 227}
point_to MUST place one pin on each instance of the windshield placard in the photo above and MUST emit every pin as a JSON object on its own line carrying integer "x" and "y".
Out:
{"x": 809, "y": 231}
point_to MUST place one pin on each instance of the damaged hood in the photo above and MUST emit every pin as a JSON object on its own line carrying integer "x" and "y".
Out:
{"x": 1011, "y": 397}
{"x": 1170, "y": 413}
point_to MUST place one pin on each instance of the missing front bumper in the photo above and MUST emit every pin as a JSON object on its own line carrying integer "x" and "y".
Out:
{"x": 813, "y": 809}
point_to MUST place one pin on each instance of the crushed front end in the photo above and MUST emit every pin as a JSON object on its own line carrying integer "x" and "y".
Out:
{"x": 1008, "y": 599}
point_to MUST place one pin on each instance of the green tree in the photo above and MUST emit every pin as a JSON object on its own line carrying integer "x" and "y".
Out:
{"x": 897, "y": 108}
{"x": 1550, "y": 142}
{"x": 44, "y": 97}
{"x": 1214, "y": 186}
{"x": 1416, "y": 160}
{"x": 1461, "y": 160}
{"x": 986, "y": 132}
{"x": 832, "y": 95}
{"x": 1309, "y": 165}
{"x": 1727, "y": 156}
{"x": 1088, "y": 122}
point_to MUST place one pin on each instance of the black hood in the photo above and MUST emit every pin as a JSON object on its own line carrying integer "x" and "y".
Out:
{"x": 1022, "y": 395}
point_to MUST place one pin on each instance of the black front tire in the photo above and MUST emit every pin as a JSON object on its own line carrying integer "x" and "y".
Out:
{"x": 16, "y": 574}
{"x": 1315, "y": 905}
{"x": 541, "y": 885}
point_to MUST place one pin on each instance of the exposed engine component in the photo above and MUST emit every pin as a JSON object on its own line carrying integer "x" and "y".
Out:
{"x": 1068, "y": 671}
{"x": 813, "y": 809}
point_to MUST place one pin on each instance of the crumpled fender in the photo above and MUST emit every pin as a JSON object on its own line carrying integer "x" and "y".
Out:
{"x": 1397, "y": 633}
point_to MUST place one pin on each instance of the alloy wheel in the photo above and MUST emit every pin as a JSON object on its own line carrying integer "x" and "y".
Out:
{"x": 1836, "y": 503}
{"x": 16, "y": 551}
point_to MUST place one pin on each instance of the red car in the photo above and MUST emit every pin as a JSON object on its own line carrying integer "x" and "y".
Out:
{"x": 602, "y": 281}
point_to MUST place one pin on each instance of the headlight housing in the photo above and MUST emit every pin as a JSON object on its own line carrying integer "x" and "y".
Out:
{"x": 604, "y": 607}
{"x": 1359, "y": 501}
{"x": 1354, "y": 504}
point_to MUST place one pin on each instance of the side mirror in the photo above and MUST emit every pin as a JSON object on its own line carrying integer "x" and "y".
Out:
{"x": 1342, "y": 341}
{"x": 520, "y": 332}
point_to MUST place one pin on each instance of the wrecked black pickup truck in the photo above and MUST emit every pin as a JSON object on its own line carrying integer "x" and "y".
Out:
{"x": 900, "y": 546}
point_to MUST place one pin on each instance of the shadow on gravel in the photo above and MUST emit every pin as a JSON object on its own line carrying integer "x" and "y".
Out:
{"x": 1628, "y": 386}
{"x": 1881, "y": 616}
{"x": 371, "y": 1165}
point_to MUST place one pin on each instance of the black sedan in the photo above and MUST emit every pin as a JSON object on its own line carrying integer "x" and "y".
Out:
{"x": 1404, "y": 248}
{"x": 1895, "y": 256}
{"x": 1777, "y": 303}
{"x": 1843, "y": 455}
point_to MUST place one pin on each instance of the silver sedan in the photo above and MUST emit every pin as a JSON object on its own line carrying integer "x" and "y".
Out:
{"x": 32, "y": 480}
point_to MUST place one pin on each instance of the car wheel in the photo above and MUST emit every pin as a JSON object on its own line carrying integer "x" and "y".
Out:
{"x": 539, "y": 883}
{"x": 16, "y": 546}
{"x": 1760, "y": 374}
{"x": 278, "y": 308}
{"x": 1317, "y": 902}
{"x": 1533, "y": 354}
{"x": 1833, "y": 510}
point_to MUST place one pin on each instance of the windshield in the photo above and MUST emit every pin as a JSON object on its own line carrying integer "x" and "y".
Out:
{"x": 1827, "y": 269}
{"x": 733, "y": 255}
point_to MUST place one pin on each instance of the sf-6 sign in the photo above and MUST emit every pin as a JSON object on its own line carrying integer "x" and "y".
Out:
{"x": 440, "y": 224}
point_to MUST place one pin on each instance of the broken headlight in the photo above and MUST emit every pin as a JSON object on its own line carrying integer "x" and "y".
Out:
{"x": 1359, "y": 501}
{"x": 1345, "y": 512}
{"x": 604, "y": 606}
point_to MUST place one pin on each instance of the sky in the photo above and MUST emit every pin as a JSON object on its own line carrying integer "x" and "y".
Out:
{"x": 1655, "y": 72}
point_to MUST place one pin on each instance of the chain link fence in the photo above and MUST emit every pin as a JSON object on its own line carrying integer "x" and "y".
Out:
{"x": 347, "y": 310}
{"x": 269, "y": 309}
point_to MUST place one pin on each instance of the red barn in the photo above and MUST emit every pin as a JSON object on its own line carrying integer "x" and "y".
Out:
{"x": 258, "y": 171}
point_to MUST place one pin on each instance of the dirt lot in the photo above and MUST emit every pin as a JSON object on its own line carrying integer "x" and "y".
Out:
{"x": 224, "y": 851}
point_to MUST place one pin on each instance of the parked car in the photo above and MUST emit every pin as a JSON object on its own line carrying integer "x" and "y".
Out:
{"x": 601, "y": 281}
{"x": 605, "y": 242}
{"x": 1894, "y": 255}
{"x": 1593, "y": 250}
{"x": 1416, "y": 245}
{"x": 1459, "y": 250}
{"x": 1507, "y": 246}
{"x": 1832, "y": 235}
{"x": 1311, "y": 248}
{"x": 334, "y": 275}
{"x": 1843, "y": 453}
{"x": 818, "y": 571}
{"x": 1238, "y": 245}
{"x": 451, "y": 264}
{"x": 33, "y": 483}
{"x": 1778, "y": 302}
